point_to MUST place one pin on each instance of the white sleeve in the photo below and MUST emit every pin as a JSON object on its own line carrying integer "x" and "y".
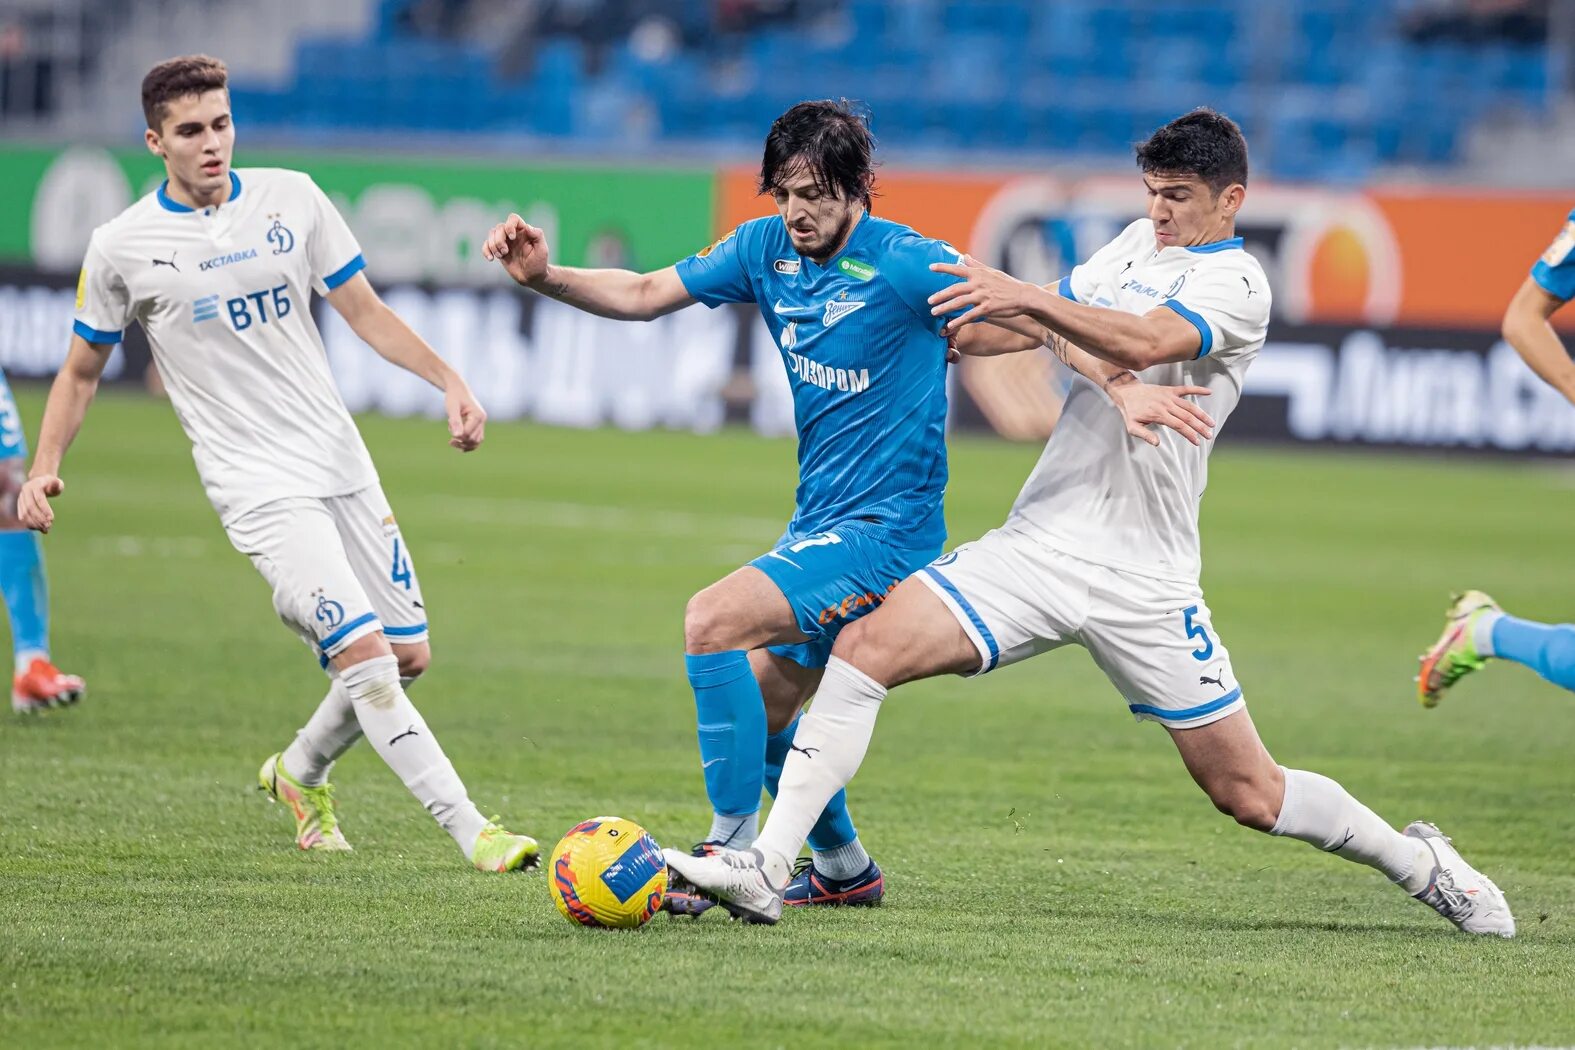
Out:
{"x": 104, "y": 306}
{"x": 1083, "y": 283}
{"x": 331, "y": 248}
{"x": 1228, "y": 305}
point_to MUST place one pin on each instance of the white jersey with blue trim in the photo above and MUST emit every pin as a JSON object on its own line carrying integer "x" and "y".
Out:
{"x": 1108, "y": 498}
{"x": 224, "y": 295}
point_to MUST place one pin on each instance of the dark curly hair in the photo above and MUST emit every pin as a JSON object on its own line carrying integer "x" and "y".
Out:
{"x": 177, "y": 78}
{"x": 1203, "y": 143}
{"x": 833, "y": 139}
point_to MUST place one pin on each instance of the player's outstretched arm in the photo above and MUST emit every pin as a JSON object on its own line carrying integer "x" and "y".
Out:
{"x": 69, "y": 397}
{"x": 1528, "y": 329}
{"x": 622, "y": 295}
{"x": 387, "y": 333}
{"x": 1128, "y": 340}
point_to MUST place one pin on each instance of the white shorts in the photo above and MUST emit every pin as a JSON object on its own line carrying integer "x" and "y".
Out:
{"x": 1015, "y": 596}
{"x": 338, "y": 568}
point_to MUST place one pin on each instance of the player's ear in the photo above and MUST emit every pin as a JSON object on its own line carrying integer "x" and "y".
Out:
{"x": 155, "y": 146}
{"x": 1234, "y": 196}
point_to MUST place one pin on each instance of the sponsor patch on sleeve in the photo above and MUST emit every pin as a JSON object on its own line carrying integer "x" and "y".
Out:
{"x": 714, "y": 245}
{"x": 82, "y": 288}
{"x": 1559, "y": 251}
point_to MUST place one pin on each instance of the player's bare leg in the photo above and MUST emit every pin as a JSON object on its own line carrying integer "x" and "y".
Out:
{"x": 1231, "y": 765}
{"x": 912, "y": 636}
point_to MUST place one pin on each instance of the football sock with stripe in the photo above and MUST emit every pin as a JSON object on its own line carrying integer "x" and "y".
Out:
{"x": 835, "y": 842}
{"x": 1548, "y": 649}
{"x": 402, "y": 739}
{"x": 26, "y": 593}
{"x": 731, "y": 721}
{"x": 828, "y": 747}
{"x": 1320, "y": 812}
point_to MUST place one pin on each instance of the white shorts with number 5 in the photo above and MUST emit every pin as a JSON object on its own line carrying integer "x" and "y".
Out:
{"x": 338, "y": 567}
{"x": 1015, "y": 597}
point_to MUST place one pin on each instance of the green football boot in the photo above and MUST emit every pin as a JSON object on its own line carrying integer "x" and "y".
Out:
{"x": 498, "y": 850}
{"x": 316, "y": 821}
{"x": 1454, "y": 655}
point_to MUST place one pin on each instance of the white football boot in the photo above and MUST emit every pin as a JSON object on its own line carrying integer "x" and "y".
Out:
{"x": 1459, "y": 892}
{"x": 736, "y": 879}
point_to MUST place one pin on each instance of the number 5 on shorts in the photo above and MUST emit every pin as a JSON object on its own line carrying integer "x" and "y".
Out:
{"x": 400, "y": 573}
{"x": 1197, "y": 630}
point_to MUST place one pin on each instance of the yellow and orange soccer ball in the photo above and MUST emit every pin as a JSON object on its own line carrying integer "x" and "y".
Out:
{"x": 608, "y": 872}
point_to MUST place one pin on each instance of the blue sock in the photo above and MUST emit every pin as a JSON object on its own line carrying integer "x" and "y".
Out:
{"x": 835, "y": 826}
{"x": 1548, "y": 649}
{"x": 732, "y": 726}
{"x": 26, "y": 593}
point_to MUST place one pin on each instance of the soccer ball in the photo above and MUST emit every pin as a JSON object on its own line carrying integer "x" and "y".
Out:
{"x": 608, "y": 872}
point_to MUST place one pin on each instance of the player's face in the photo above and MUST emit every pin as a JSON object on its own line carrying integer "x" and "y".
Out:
{"x": 196, "y": 142}
{"x": 1187, "y": 213}
{"x": 817, "y": 223}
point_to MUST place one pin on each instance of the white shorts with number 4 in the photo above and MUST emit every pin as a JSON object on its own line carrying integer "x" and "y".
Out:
{"x": 1015, "y": 597}
{"x": 338, "y": 568}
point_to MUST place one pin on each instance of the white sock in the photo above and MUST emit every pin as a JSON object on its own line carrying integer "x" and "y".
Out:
{"x": 401, "y": 738}
{"x": 329, "y": 733}
{"x": 25, "y": 659}
{"x": 735, "y": 831}
{"x": 844, "y": 862}
{"x": 1482, "y": 632}
{"x": 827, "y": 750}
{"x": 1323, "y": 814}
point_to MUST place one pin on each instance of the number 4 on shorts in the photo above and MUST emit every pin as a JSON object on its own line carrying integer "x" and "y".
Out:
{"x": 401, "y": 570}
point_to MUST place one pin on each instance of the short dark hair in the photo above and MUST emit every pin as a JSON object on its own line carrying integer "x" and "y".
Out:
{"x": 177, "y": 78}
{"x": 833, "y": 139}
{"x": 1203, "y": 143}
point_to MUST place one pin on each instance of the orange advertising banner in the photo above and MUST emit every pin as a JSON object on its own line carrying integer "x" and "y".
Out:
{"x": 1419, "y": 257}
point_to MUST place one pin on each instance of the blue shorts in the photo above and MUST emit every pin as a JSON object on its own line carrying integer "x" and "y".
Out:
{"x": 832, "y": 578}
{"x": 13, "y": 444}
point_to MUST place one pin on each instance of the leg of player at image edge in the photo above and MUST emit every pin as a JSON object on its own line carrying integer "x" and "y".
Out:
{"x": 369, "y": 697}
{"x": 1315, "y": 809}
{"x": 38, "y": 683}
{"x": 1476, "y": 630}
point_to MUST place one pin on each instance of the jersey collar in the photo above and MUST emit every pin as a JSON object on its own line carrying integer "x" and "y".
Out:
{"x": 1216, "y": 246}
{"x": 169, "y": 204}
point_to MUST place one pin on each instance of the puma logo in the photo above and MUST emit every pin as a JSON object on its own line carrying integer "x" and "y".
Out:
{"x": 170, "y": 262}
{"x": 1251, "y": 291}
{"x": 409, "y": 732}
{"x": 1338, "y": 846}
{"x": 1204, "y": 679}
{"x": 805, "y": 751}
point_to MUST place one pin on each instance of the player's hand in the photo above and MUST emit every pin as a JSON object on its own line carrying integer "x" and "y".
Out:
{"x": 985, "y": 292}
{"x": 467, "y": 420}
{"x": 32, "y": 503}
{"x": 1142, "y": 404}
{"x": 520, "y": 247}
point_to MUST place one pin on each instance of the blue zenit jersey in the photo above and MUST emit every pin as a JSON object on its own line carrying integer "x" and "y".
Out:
{"x": 1555, "y": 271}
{"x": 866, "y": 363}
{"x": 12, "y": 444}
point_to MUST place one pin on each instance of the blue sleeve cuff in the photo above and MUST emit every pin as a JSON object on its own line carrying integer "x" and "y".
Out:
{"x": 93, "y": 335}
{"x": 1205, "y": 333}
{"x": 1558, "y": 283}
{"x": 1065, "y": 288}
{"x": 345, "y": 272}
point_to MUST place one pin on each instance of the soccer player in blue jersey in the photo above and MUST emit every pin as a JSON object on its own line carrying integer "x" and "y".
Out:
{"x": 844, "y": 294}
{"x": 38, "y": 683}
{"x": 1476, "y": 629}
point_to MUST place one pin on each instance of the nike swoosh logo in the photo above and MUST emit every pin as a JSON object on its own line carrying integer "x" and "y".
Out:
{"x": 782, "y": 308}
{"x": 708, "y": 765}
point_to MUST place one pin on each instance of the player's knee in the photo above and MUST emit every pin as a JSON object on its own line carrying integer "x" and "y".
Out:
{"x": 1250, "y": 801}
{"x": 705, "y": 629}
{"x": 413, "y": 659}
{"x": 866, "y": 645}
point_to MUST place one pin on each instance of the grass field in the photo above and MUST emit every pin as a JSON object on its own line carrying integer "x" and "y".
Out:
{"x": 1054, "y": 878}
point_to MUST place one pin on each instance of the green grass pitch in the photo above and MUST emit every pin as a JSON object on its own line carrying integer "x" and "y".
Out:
{"x": 1054, "y": 877}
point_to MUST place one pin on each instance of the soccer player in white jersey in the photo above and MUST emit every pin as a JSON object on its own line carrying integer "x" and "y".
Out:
{"x": 1101, "y": 550}
{"x": 219, "y": 266}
